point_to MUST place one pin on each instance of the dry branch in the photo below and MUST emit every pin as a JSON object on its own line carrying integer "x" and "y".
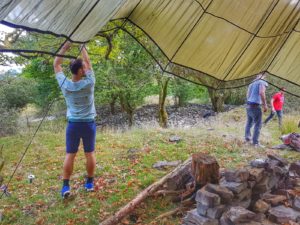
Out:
{"x": 123, "y": 212}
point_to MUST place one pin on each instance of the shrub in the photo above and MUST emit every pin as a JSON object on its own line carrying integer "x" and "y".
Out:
{"x": 290, "y": 125}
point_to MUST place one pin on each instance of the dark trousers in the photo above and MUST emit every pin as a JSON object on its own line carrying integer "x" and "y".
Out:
{"x": 254, "y": 117}
{"x": 279, "y": 115}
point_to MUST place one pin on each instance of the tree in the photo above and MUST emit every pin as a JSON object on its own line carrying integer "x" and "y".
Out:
{"x": 124, "y": 75}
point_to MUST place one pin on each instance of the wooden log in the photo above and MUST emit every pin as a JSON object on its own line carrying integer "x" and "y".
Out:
{"x": 179, "y": 180}
{"x": 205, "y": 169}
{"x": 125, "y": 211}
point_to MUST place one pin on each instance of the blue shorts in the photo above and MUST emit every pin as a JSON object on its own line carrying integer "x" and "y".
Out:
{"x": 80, "y": 130}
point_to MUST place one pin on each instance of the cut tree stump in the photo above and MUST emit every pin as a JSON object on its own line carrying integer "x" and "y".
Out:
{"x": 205, "y": 169}
{"x": 127, "y": 209}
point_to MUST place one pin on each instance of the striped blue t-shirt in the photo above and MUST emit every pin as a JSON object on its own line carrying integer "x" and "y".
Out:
{"x": 79, "y": 97}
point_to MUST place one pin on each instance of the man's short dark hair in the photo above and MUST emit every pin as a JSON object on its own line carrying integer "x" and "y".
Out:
{"x": 75, "y": 65}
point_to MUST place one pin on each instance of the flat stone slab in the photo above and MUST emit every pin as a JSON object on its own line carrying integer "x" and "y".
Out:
{"x": 234, "y": 186}
{"x": 225, "y": 194}
{"x": 213, "y": 213}
{"x": 175, "y": 139}
{"x": 193, "y": 218}
{"x": 161, "y": 165}
{"x": 259, "y": 163}
{"x": 239, "y": 175}
{"x": 274, "y": 200}
{"x": 282, "y": 215}
{"x": 282, "y": 161}
{"x": 238, "y": 215}
{"x": 295, "y": 167}
{"x": 207, "y": 198}
{"x": 296, "y": 203}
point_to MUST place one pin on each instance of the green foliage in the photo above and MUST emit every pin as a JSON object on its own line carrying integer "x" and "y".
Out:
{"x": 8, "y": 120}
{"x": 184, "y": 91}
{"x": 236, "y": 96}
{"x": 41, "y": 70}
{"x": 15, "y": 93}
{"x": 289, "y": 125}
{"x": 125, "y": 77}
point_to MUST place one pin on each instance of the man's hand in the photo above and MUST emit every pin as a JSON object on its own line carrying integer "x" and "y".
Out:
{"x": 58, "y": 60}
{"x": 265, "y": 107}
{"x": 86, "y": 58}
{"x": 66, "y": 46}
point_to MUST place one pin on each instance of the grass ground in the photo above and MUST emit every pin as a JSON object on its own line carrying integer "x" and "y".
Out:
{"x": 119, "y": 177}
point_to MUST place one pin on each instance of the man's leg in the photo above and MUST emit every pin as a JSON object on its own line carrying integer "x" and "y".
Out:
{"x": 68, "y": 165}
{"x": 249, "y": 124}
{"x": 89, "y": 140}
{"x": 72, "y": 144}
{"x": 279, "y": 115}
{"x": 257, "y": 125}
{"x": 90, "y": 164}
{"x": 269, "y": 117}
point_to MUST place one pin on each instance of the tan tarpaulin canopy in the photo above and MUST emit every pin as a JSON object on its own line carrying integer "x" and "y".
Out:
{"x": 220, "y": 40}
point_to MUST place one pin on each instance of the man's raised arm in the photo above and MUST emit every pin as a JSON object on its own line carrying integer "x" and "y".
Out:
{"x": 86, "y": 58}
{"x": 58, "y": 60}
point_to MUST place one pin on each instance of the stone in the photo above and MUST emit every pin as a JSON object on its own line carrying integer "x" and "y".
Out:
{"x": 280, "y": 171}
{"x": 261, "y": 206}
{"x": 160, "y": 165}
{"x": 233, "y": 186}
{"x": 256, "y": 174}
{"x": 296, "y": 203}
{"x": 193, "y": 218}
{"x": 216, "y": 212}
{"x": 262, "y": 186}
{"x": 271, "y": 165}
{"x": 282, "y": 162}
{"x": 175, "y": 139}
{"x": 207, "y": 198}
{"x": 282, "y": 215}
{"x": 202, "y": 209}
{"x": 251, "y": 184}
{"x": 259, "y": 163}
{"x": 213, "y": 213}
{"x": 295, "y": 167}
{"x": 244, "y": 195}
{"x": 225, "y": 221}
{"x": 225, "y": 194}
{"x": 240, "y": 215}
{"x": 239, "y": 176}
{"x": 273, "y": 182}
{"x": 244, "y": 204}
{"x": 274, "y": 200}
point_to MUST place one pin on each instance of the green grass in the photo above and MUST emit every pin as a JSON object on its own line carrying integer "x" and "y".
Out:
{"x": 119, "y": 178}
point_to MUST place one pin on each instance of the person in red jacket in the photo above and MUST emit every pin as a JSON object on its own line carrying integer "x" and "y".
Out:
{"x": 277, "y": 103}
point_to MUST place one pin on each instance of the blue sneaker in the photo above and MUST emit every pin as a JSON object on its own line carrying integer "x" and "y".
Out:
{"x": 89, "y": 186}
{"x": 65, "y": 192}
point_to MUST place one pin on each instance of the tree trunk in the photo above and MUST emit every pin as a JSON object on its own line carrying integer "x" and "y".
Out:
{"x": 112, "y": 104}
{"x": 162, "y": 114}
{"x": 127, "y": 209}
{"x": 127, "y": 108}
{"x": 205, "y": 169}
{"x": 217, "y": 98}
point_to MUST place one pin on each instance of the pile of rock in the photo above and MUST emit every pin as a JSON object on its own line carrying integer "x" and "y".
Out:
{"x": 266, "y": 192}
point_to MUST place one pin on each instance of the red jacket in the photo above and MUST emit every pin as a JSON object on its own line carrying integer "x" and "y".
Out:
{"x": 278, "y": 101}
